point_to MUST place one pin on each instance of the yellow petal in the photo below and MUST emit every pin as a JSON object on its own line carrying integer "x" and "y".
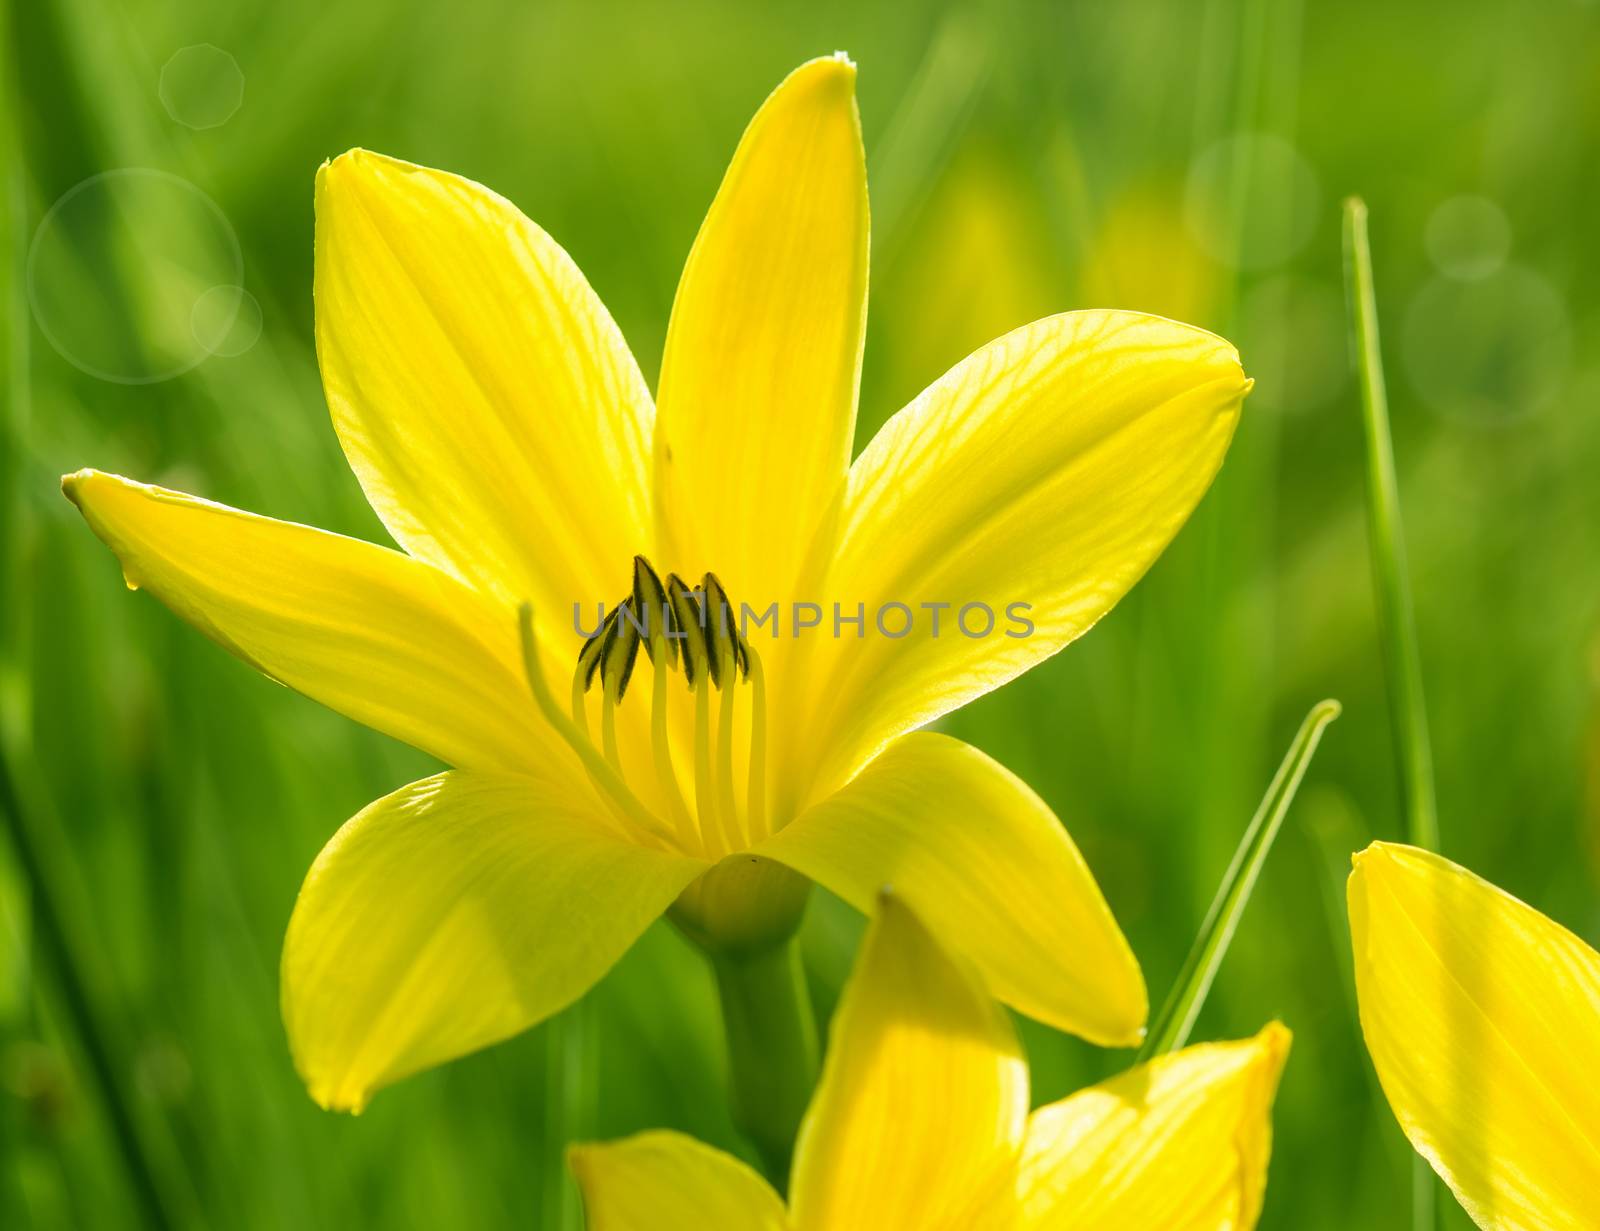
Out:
{"x": 484, "y": 397}
{"x": 923, "y": 1096}
{"x": 989, "y": 869}
{"x": 452, "y": 914}
{"x": 758, "y": 381}
{"x": 1483, "y": 1020}
{"x": 664, "y": 1181}
{"x": 1180, "y": 1144}
{"x": 1037, "y": 480}
{"x": 390, "y": 641}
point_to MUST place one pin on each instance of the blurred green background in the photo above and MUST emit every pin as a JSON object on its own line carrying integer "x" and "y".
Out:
{"x": 1024, "y": 158}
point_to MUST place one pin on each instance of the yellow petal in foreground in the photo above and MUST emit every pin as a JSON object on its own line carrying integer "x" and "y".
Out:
{"x": 452, "y": 914}
{"x": 390, "y": 641}
{"x": 920, "y": 1124}
{"x": 665, "y": 1181}
{"x": 1049, "y": 469}
{"x": 758, "y": 380}
{"x": 1179, "y": 1144}
{"x": 483, "y": 394}
{"x": 989, "y": 870}
{"x": 1483, "y": 1020}
{"x": 923, "y": 1097}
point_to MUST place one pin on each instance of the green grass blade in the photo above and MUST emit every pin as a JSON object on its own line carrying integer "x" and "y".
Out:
{"x": 93, "y": 1035}
{"x": 1396, "y": 616}
{"x": 1397, "y": 621}
{"x": 1172, "y": 1027}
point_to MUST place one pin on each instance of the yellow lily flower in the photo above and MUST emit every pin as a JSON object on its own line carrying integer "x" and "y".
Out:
{"x": 506, "y": 438}
{"x": 921, "y": 1121}
{"x": 1483, "y": 1020}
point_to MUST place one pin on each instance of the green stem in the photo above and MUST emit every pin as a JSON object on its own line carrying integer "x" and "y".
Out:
{"x": 1396, "y": 616}
{"x": 568, "y": 1107}
{"x": 772, "y": 1047}
{"x": 1188, "y": 996}
{"x": 1424, "y": 1195}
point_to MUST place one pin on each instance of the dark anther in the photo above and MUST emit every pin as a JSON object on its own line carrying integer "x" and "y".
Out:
{"x": 621, "y": 648}
{"x": 722, "y": 630}
{"x": 650, "y": 599}
{"x": 703, "y": 621}
{"x": 593, "y": 650}
{"x": 689, "y": 618}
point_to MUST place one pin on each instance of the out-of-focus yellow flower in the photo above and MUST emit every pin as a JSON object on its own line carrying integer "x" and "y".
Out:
{"x": 503, "y": 433}
{"x": 921, "y": 1121}
{"x": 975, "y": 266}
{"x": 1483, "y": 1020}
{"x": 1144, "y": 257}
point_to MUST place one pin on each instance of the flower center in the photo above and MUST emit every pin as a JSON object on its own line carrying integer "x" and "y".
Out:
{"x": 695, "y": 631}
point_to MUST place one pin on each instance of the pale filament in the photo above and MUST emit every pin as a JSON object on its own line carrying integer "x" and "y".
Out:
{"x": 720, "y": 821}
{"x": 610, "y": 784}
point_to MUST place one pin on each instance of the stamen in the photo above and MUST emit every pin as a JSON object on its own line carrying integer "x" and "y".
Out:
{"x": 731, "y": 826}
{"x": 663, "y": 752}
{"x": 588, "y": 660}
{"x": 689, "y": 616}
{"x": 580, "y": 710}
{"x": 590, "y": 655}
{"x": 758, "y": 742}
{"x": 650, "y": 599}
{"x": 721, "y": 630}
{"x": 580, "y": 717}
{"x": 613, "y": 787}
{"x": 620, "y": 648}
{"x": 699, "y": 630}
{"x": 705, "y": 800}
{"x": 608, "y": 730}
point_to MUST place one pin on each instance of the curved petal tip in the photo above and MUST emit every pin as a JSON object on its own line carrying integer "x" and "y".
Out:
{"x": 826, "y": 73}
{"x": 71, "y": 484}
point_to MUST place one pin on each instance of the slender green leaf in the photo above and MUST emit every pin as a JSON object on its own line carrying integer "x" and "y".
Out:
{"x": 1397, "y": 621}
{"x": 1172, "y": 1027}
{"x": 102, "y": 1056}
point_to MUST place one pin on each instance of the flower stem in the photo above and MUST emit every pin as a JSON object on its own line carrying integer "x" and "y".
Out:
{"x": 1392, "y": 585}
{"x": 1188, "y": 996}
{"x": 772, "y": 1047}
{"x": 569, "y": 1099}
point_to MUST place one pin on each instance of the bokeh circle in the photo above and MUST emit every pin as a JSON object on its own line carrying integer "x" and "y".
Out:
{"x": 1468, "y": 237}
{"x": 1488, "y": 351}
{"x": 201, "y": 86}
{"x": 1251, "y": 200}
{"x": 117, "y": 267}
{"x": 226, "y": 321}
